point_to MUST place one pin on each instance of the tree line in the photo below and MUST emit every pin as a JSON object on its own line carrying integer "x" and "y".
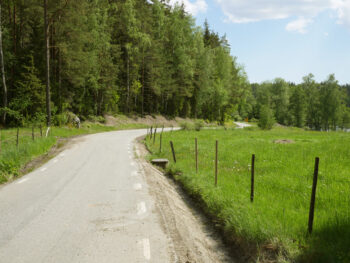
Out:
{"x": 318, "y": 106}
{"x": 93, "y": 57}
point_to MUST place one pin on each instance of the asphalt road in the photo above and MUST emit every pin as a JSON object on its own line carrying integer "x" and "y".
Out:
{"x": 88, "y": 204}
{"x": 241, "y": 125}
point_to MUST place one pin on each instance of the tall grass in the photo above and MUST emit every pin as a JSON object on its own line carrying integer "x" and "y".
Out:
{"x": 279, "y": 215}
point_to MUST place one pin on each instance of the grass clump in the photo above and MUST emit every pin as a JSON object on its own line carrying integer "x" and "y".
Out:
{"x": 275, "y": 225}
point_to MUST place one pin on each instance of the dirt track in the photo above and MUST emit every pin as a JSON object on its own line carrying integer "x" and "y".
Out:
{"x": 191, "y": 238}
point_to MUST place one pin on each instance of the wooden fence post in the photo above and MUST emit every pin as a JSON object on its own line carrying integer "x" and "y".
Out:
{"x": 173, "y": 151}
{"x": 154, "y": 135}
{"x": 160, "y": 142}
{"x": 216, "y": 162}
{"x": 17, "y": 140}
{"x": 196, "y": 154}
{"x": 313, "y": 196}
{"x": 252, "y": 179}
{"x": 41, "y": 131}
{"x": 33, "y": 132}
{"x": 151, "y": 132}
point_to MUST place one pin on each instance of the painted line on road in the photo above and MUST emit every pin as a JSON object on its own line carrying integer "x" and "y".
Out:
{"x": 146, "y": 248}
{"x": 132, "y": 163}
{"x": 61, "y": 155}
{"x": 141, "y": 208}
{"x": 137, "y": 187}
{"x": 22, "y": 180}
{"x": 135, "y": 173}
{"x": 55, "y": 160}
{"x": 43, "y": 169}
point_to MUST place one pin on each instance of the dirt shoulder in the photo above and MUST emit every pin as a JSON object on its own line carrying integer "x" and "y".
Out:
{"x": 192, "y": 237}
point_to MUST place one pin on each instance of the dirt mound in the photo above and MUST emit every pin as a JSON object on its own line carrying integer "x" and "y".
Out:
{"x": 147, "y": 120}
{"x": 284, "y": 141}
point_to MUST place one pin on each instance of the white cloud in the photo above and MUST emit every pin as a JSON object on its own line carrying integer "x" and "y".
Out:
{"x": 199, "y": 6}
{"x": 342, "y": 8}
{"x": 244, "y": 11}
{"x": 299, "y": 25}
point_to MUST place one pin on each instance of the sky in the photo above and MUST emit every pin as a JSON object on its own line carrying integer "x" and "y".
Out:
{"x": 282, "y": 38}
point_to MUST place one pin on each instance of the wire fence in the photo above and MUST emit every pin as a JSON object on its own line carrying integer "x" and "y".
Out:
{"x": 14, "y": 138}
{"x": 306, "y": 190}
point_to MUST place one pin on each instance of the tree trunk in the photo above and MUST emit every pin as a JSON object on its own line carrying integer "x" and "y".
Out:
{"x": 3, "y": 72}
{"x": 128, "y": 82}
{"x": 47, "y": 42}
{"x": 143, "y": 83}
{"x": 59, "y": 82}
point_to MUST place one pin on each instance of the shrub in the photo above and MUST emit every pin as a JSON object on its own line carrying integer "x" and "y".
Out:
{"x": 198, "y": 125}
{"x": 266, "y": 120}
{"x": 61, "y": 119}
{"x": 99, "y": 119}
{"x": 185, "y": 125}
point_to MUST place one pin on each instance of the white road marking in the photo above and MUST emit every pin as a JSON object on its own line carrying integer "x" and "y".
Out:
{"x": 146, "y": 248}
{"x": 141, "y": 208}
{"x": 22, "y": 180}
{"x": 137, "y": 187}
{"x": 135, "y": 173}
{"x": 61, "y": 155}
{"x": 43, "y": 169}
{"x": 55, "y": 160}
{"x": 132, "y": 164}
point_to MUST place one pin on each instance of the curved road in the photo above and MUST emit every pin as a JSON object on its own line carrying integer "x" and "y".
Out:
{"x": 88, "y": 204}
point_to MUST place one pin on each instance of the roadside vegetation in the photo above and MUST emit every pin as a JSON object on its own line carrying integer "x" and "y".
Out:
{"x": 274, "y": 226}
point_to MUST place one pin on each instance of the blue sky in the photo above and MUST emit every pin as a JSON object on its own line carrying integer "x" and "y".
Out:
{"x": 282, "y": 38}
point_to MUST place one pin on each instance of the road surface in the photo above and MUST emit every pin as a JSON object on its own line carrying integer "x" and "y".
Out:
{"x": 92, "y": 203}
{"x": 241, "y": 125}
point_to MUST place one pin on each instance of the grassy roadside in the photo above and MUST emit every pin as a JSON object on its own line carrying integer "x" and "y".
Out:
{"x": 274, "y": 227}
{"x": 13, "y": 158}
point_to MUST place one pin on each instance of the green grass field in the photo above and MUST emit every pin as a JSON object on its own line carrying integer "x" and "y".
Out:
{"x": 276, "y": 223}
{"x": 13, "y": 158}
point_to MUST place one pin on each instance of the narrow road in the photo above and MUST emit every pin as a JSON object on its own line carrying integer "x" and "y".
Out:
{"x": 91, "y": 203}
{"x": 241, "y": 125}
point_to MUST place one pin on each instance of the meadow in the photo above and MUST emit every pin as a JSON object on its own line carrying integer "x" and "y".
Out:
{"x": 274, "y": 226}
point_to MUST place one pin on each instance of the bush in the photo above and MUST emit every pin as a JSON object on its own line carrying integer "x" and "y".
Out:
{"x": 99, "y": 119}
{"x": 185, "y": 125}
{"x": 198, "y": 125}
{"x": 266, "y": 120}
{"x": 61, "y": 119}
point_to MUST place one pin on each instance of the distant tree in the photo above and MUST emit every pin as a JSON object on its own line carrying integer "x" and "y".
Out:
{"x": 280, "y": 100}
{"x": 297, "y": 107}
{"x": 312, "y": 99}
{"x": 330, "y": 103}
{"x": 266, "y": 119}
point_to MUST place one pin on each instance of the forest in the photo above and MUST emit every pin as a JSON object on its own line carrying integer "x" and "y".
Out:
{"x": 93, "y": 57}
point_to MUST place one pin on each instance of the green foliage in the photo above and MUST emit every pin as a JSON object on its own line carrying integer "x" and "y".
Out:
{"x": 266, "y": 120}
{"x": 94, "y": 118}
{"x": 186, "y": 125}
{"x": 198, "y": 125}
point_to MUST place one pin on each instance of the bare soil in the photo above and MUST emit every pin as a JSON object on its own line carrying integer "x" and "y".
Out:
{"x": 147, "y": 120}
{"x": 192, "y": 236}
{"x": 284, "y": 141}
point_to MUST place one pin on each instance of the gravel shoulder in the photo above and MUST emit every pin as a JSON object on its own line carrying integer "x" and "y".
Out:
{"x": 191, "y": 238}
